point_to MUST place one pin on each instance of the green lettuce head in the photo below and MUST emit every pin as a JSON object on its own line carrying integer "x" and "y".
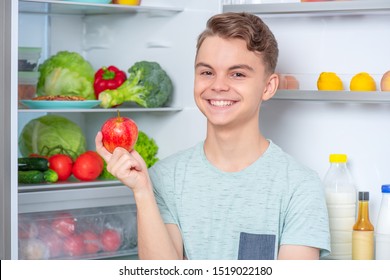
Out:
{"x": 51, "y": 134}
{"x": 147, "y": 148}
{"x": 66, "y": 73}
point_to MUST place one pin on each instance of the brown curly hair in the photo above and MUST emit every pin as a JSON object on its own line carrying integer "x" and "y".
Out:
{"x": 248, "y": 27}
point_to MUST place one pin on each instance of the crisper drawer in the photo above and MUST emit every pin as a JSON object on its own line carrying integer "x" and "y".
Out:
{"x": 89, "y": 233}
{"x": 73, "y": 198}
{"x": 91, "y": 223}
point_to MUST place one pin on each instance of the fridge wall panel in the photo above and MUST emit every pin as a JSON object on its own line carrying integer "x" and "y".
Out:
{"x": 65, "y": 33}
{"x": 310, "y": 131}
{"x": 345, "y": 45}
{"x": 32, "y": 29}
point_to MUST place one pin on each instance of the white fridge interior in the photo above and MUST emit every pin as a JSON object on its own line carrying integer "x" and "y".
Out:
{"x": 166, "y": 31}
{"x": 311, "y": 130}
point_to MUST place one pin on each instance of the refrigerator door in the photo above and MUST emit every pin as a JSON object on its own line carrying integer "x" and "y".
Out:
{"x": 8, "y": 107}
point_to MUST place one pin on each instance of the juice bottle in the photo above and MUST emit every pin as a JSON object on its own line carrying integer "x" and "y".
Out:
{"x": 363, "y": 231}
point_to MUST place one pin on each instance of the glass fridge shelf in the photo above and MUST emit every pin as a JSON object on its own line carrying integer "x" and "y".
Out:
{"x": 334, "y": 96}
{"x": 68, "y": 185}
{"x": 80, "y": 8}
{"x": 329, "y": 8}
{"x": 102, "y": 110}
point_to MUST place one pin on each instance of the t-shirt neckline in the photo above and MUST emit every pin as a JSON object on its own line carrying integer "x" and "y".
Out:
{"x": 247, "y": 169}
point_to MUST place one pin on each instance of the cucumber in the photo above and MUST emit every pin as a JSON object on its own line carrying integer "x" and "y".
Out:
{"x": 50, "y": 176}
{"x": 33, "y": 163}
{"x": 31, "y": 177}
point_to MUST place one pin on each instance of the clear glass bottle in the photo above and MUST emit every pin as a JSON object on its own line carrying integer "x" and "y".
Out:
{"x": 363, "y": 231}
{"x": 382, "y": 230}
{"x": 340, "y": 194}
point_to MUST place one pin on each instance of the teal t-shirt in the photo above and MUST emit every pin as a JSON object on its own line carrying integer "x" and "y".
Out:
{"x": 241, "y": 215}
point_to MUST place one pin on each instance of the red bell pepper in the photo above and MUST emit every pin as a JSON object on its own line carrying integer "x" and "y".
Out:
{"x": 108, "y": 78}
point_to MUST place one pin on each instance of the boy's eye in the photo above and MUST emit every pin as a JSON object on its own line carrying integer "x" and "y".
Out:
{"x": 238, "y": 75}
{"x": 206, "y": 73}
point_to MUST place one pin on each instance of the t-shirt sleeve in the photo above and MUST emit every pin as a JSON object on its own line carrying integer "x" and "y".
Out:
{"x": 164, "y": 196}
{"x": 306, "y": 219}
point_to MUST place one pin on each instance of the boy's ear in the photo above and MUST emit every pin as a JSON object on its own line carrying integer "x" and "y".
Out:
{"x": 271, "y": 87}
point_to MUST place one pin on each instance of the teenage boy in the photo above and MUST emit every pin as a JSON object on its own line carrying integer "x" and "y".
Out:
{"x": 235, "y": 195}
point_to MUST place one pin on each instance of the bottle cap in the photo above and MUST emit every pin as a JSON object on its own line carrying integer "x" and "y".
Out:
{"x": 364, "y": 196}
{"x": 386, "y": 188}
{"x": 338, "y": 158}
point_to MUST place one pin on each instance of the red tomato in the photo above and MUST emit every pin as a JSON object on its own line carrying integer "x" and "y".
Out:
{"x": 91, "y": 242}
{"x": 64, "y": 224}
{"x": 88, "y": 166}
{"x": 74, "y": 246}
{"x": 111, "y": 240}
{"x": 62, "y": 165}
{"x": 98, "y": 158}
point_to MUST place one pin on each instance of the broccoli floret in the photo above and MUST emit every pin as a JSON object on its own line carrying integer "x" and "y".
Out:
{"x": 148, "y": 85}
{"x": 147, "y": 148}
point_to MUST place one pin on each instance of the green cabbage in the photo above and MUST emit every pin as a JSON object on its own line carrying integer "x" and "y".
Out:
{"x": 49, "y": 134}
{"x": 66, "y": 73}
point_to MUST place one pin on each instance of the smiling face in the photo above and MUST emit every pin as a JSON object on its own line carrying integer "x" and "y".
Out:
{"x": 230, "y": 82}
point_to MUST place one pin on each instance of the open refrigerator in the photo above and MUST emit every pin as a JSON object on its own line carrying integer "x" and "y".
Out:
{"x": 346, "y": 37}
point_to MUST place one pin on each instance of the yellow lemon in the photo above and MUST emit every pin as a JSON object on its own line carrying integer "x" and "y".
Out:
{"x": 127, "y": 2}
{"x": 329, "y": 81}
{"x": 362, "y": 82}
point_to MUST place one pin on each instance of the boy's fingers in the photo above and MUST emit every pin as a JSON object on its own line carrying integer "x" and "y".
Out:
{"x": 106, "y": 155}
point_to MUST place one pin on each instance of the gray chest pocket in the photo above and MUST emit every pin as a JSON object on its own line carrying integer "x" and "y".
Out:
{"x": 256, "y": 246}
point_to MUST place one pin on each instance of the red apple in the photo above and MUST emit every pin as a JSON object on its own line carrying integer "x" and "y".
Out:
{"x": 119, "y": 132}
{"x": 74, "y": 246}
{"x": 111, "y": 240}
{"x": 91, "y": 242}
{"x": 64, "y": 224}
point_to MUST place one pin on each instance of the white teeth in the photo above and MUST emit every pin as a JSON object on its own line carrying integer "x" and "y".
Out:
{"x": 221, "y": 103}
